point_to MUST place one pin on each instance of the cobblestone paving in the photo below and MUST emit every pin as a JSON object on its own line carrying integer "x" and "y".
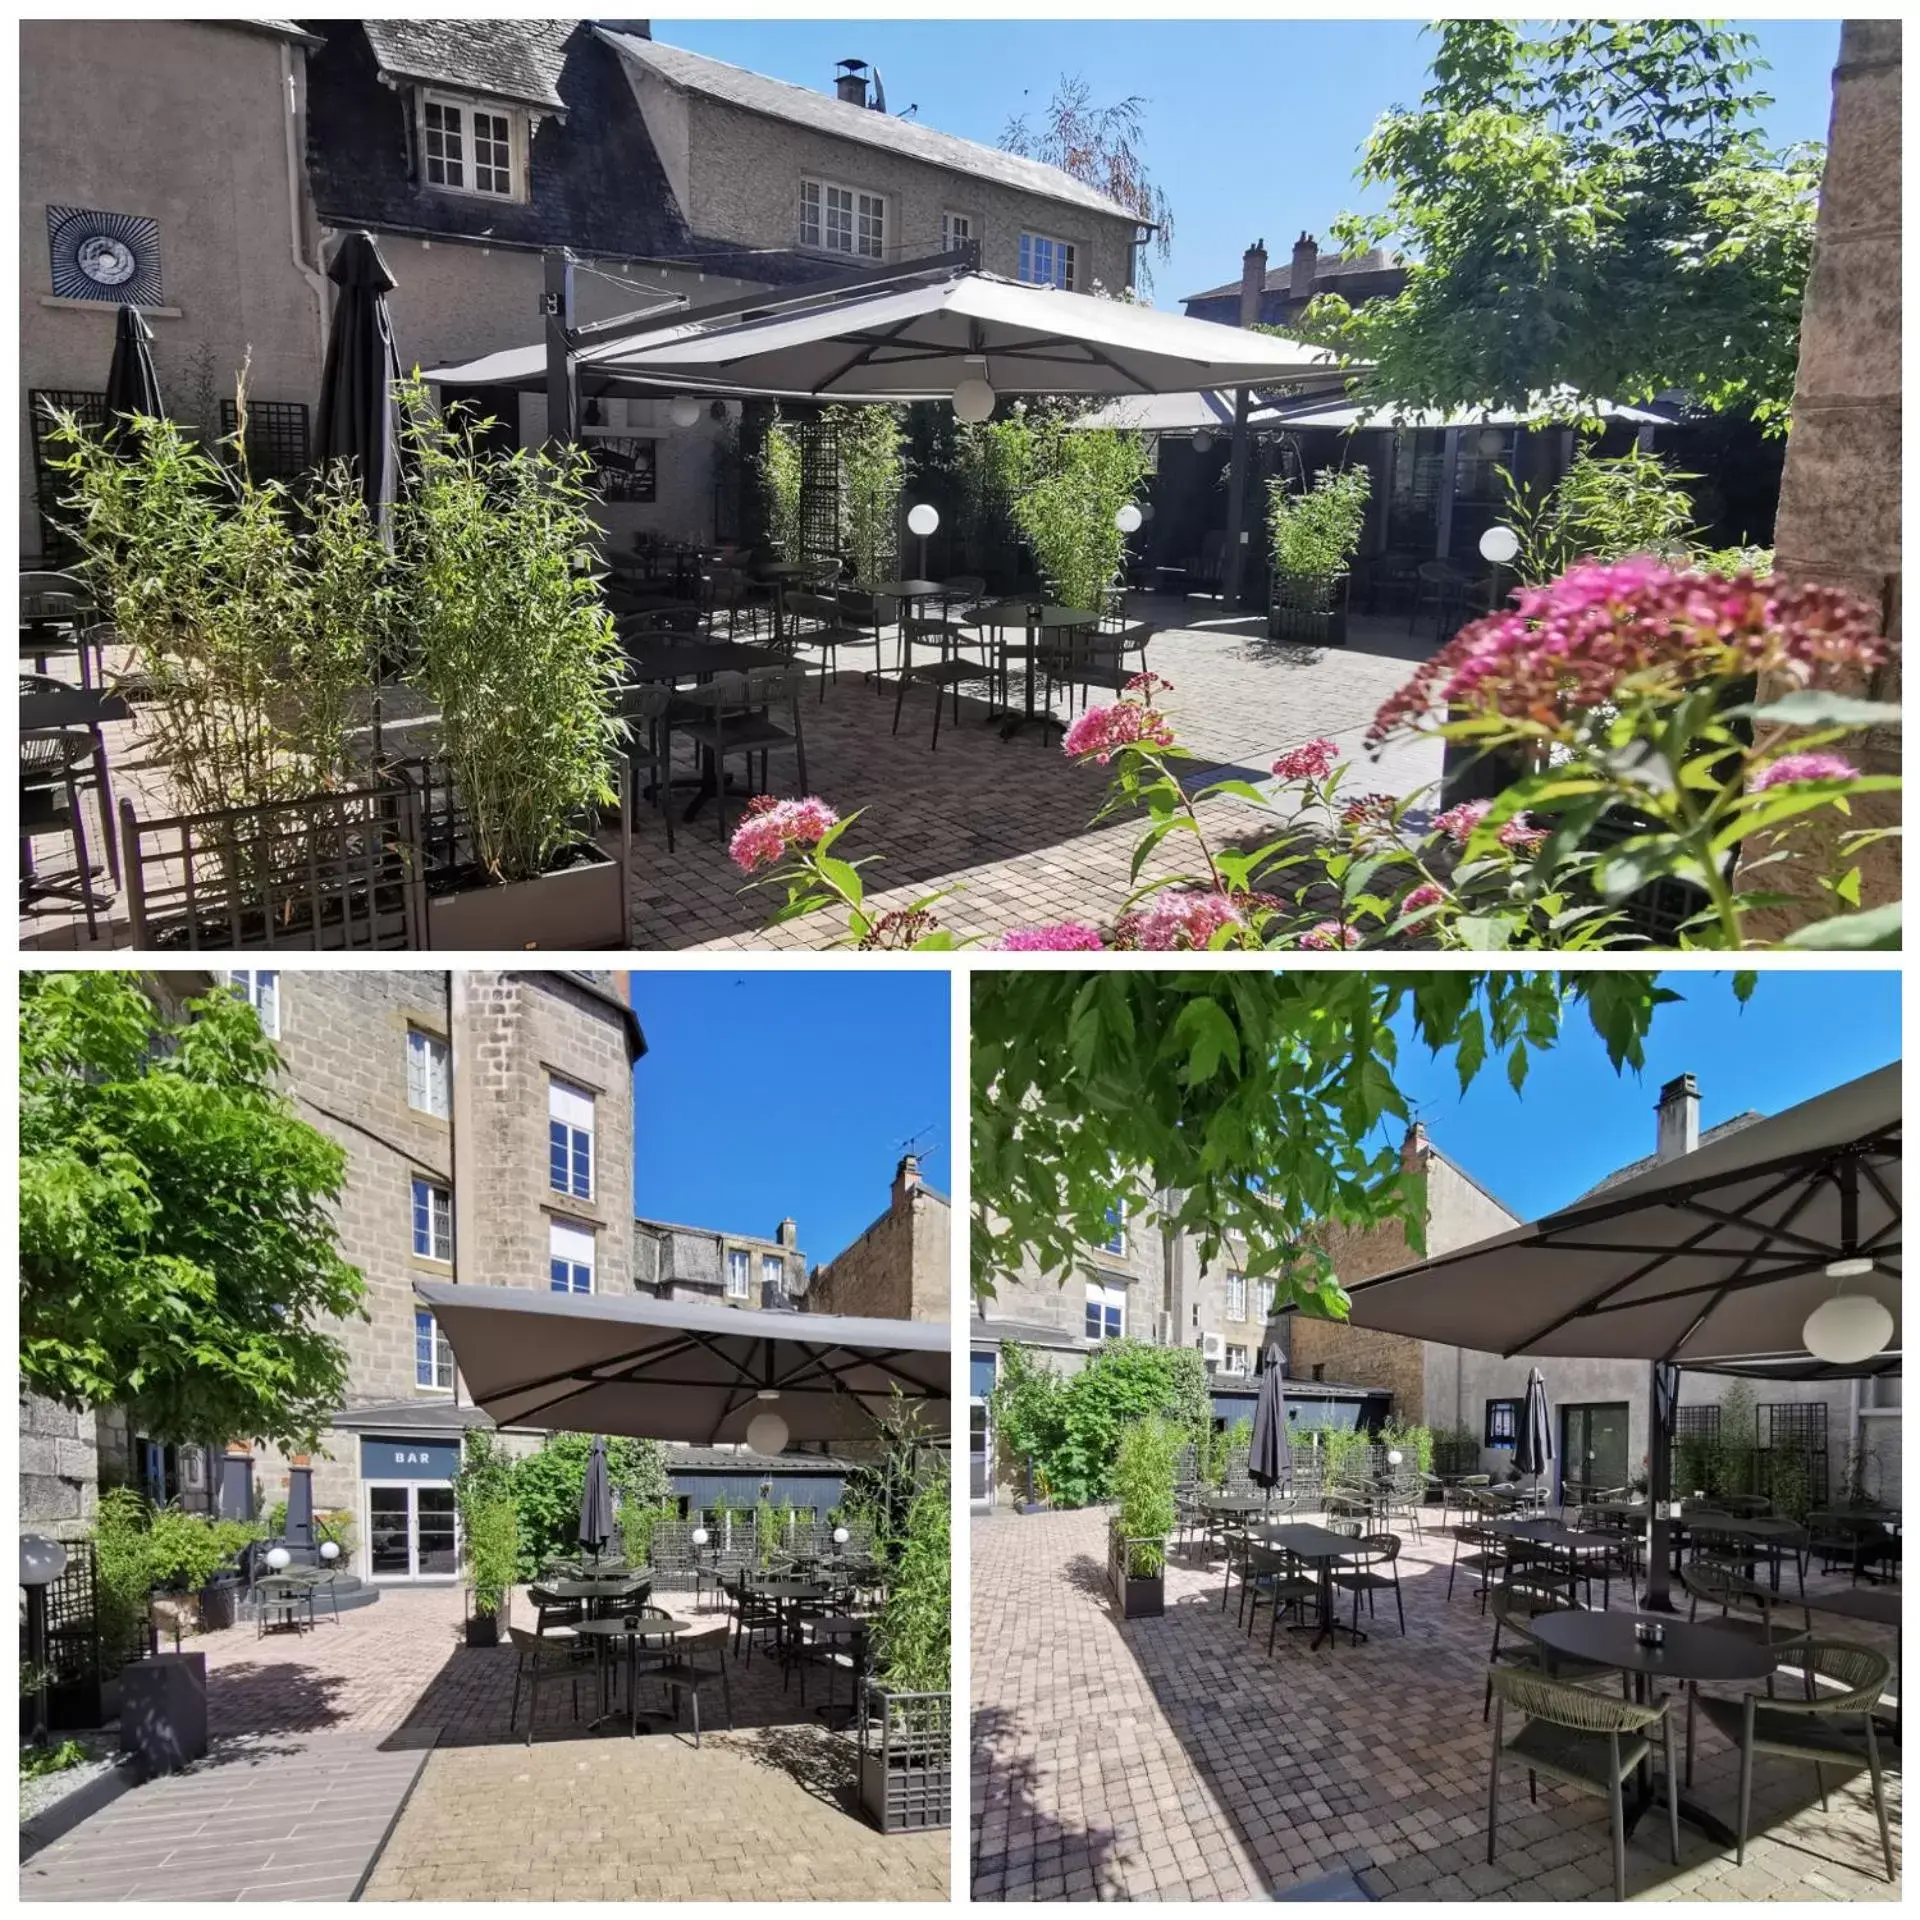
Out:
{"x": 1172, "y": 1759}
{"x": 1005, "y": 824}
{"x": 767, "y": 1812}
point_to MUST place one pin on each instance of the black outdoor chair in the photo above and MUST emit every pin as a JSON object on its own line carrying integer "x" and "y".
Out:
{"x": 644, "y": 708}
{"x": 1278, "y": 1581}
{"x": 1480, "y": 1552}
{"x": 735, "y": 715}
{"x": 1375, "y": 1570}
{"x": 539, "y": 1664}
{"x": 946, "y": 674}
{"x": 687, "y": 1672}
{"x": 814, "y": 620}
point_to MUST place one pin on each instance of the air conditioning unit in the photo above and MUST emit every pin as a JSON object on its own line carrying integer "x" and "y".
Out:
{"x": 1213, "y": 1350}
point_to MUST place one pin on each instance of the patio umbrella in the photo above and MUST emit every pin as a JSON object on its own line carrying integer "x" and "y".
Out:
{"x": 1533, "y": 1444}
{"x": 133, "y": 383}
{"x": 596, "y": 1502}
{"x": 1270, "y": 1457}
{"x": 684, "y": 1370}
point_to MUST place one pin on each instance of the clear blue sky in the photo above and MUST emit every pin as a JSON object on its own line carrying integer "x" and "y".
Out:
{"x": 767, "y": 1094}
{"x": 1577, "y": 1121}
{"x": 1253, "y": 128}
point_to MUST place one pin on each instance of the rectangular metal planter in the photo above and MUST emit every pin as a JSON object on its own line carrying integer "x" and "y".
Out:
{"x": 1310, "y": 613}
{"x": 1141, "y": 1596}
{"x": 584, "y": 906}
{"x": 906, "y": 1760}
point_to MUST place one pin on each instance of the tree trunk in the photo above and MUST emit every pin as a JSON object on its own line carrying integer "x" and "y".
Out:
{"x": 1839, "y": 518}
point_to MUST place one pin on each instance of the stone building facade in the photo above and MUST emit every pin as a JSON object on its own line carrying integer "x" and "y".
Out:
{"x": 677, "y": 1262}
{"x": 900, "y": 1268}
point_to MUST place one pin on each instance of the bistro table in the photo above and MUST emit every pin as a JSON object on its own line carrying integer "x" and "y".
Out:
{"x": 632, "y": 1629}
{"x": 788, "y": 1596}
{"x": 662, "y": 662}
{"x": 1035, "y": 621}
{"x": 1558, "y": 1539}
{"x": 1321, "y": 1547}
{"x": 909, "y": 593}
{"x": 1688, "y": 1654}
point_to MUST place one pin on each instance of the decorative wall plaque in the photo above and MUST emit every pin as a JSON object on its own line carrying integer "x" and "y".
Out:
{"x": 114, "y": 257}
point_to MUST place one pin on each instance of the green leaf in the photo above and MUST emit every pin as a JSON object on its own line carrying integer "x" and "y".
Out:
{"x": 1876, "y": 930}
{"x": 1815, "y": 707}
{"x": 1210, "y": 1037}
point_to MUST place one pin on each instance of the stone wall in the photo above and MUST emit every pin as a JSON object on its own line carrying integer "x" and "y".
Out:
{"x": 1049, "y": 1300}
{"x": 900, "y": 1268}
{"x": 59, "y": 1469}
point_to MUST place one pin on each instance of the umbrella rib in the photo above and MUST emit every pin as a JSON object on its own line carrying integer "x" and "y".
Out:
{"x": 1776, "y": 1231}
{"x": 871, "y": 344}
{"x": 1879, "y": 1186}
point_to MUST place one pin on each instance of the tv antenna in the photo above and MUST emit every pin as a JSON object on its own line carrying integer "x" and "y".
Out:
{"x": 922, "y": 1145}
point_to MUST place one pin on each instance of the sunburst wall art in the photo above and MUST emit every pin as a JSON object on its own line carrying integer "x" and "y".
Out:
{"x": 104, "y": 256}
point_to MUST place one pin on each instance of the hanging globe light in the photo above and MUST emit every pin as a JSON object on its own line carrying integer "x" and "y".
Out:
{"x": 973, "y": 401}
{"x": 684, "y": 410}
{"x": 767, "y": 1433}
{"x": 1848, "y": 1329}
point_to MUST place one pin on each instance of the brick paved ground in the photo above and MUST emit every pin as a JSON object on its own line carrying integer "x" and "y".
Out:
{"x": 1170, "y": 1758}
{"x": 766, "y": 1812}
{"x": 1005, "y": 823}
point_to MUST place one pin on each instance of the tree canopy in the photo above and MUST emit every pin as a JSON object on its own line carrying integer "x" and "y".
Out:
{"x": 178, "y": 1252}
{"x": 1237, "y": 1106}
{"x": 1592, "y": 206}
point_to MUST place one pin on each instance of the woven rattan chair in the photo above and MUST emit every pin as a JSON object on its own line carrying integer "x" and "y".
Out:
{"x": 1817, "y": 1731}
{"x": 1754, "y": 1621}
{"x": 1515, "y": 1605}
{"x": 1582, "y": 1740}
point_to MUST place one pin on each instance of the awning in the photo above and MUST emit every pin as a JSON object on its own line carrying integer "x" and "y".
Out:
{"x": 1714, "y": 1259}
{"x": 916, "y": 341}
{"x": 682, "y": 1370}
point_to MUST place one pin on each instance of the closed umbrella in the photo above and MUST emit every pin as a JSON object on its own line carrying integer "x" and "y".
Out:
{"x": 133, "y": 383}
{"x": 1270, "y": 1458}
{"x": 596, "y": 1502}
{"x": 1533, "y": 1445}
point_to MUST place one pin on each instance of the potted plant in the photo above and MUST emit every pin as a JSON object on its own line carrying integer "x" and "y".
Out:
{"x": 1138, "y": 1533}
{"x": 519, "y": 656}
{"x": 490, "y": 1531}
{"x": 187, "y": 1553}
{"x": 1314, "y": 536}
{"x": 1065, "y": 488}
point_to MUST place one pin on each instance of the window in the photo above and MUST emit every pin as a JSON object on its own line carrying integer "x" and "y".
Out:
{"x": 956, "y": 229}
{"x": 432, "y": 1220}
{"x": 432, "y": 1357}
{"x": 1236, "y": 1360}
{"x": 1236, "y": 1297}
{"x": 260, "y": 989}
{"x": 1263, "y": 1301}
{"x": 570, "y": 1258}
{"x": 1503, "y": 1422}
{"x": 773, "y": 1273}
{"x": 1106, "y": 1311}
{"x": 468, "y": 149}
{"x": 739, "y": 1273}
{"x": 839, "y": 219}
{"x": 569, "y": 1140}
{"x": 1116, "y": 1241}
{"x": 1046, "y": 262}
{"x": 427, "y": 1073}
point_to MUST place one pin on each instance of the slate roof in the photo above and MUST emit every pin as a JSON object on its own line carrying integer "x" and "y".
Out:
{"x": 508, "y": 59}
{"x": 1327, "y": 266}
{"x": 827, "y": 113}
{"x": 277, "y": 29}
{"x": 411, "y": 1416}
{"x": 1648, "y": 1162}
{"x": 725, "y": 1460}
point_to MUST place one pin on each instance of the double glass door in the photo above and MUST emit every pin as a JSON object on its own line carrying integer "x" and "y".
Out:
{"x": 1593, "y": 1447}
{"x": 410, "y": 1532}
{"x": 980, "y": 1454}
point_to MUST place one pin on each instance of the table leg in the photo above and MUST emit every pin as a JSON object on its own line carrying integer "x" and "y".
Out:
{"x": 1653, "y": 1792}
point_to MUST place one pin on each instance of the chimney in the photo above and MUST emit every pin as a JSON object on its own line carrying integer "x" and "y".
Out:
{"x": 1679, "y": 1122}
{"x": 906, "y": 1177}
{"x": 787, "y": 1233}
{"x": 850, "y": 82}
{"x": 1253, "y": 282}
{"x": 1415, "y": 1147}
{"x": 1306, "y": 257}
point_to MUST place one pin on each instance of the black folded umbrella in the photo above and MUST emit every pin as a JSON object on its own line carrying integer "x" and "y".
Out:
{"x": 133, "y": 383}
{"x": 596, "y": 1502}
{"x": 1270, "y": 1458}
{"x": 1533, "y": 1444}
{"x": 359, "y": 414}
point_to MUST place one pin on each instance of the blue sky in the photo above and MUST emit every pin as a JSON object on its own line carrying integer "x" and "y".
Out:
{"x": 767, "y": 1094}
{"x": 1799, "y": 1035}
{"x": 1253, "y": 128}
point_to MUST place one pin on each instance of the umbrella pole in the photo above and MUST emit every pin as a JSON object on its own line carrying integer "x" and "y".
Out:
{"x": 1659, "y": 1494}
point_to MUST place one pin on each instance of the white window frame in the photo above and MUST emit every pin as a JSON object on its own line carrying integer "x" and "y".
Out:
{"x": 1262, "y": 1301}
{"x": 429, "y": 1074}
{"x": 572, "y": 1108}
{"x": 1105, "y": 1296}
{"x": 516, "y": 124}
{"x": 259, "y": 987}
{"x": 1030, "y": 245}
{"x": 773, "y": 1272}
{"x": 566, "y": 1242}
{"x": 1234, "y": 1360}
{"x": 739, "y": 1260}
{"x": 1236, "y": 1296}
{"x": 955, "y": 229}
{"x": 814, "y": 225}
{"x": 1116, "y": 1241}
{"x": 437, "y": 1216}
{"x": 439, "y": 1354}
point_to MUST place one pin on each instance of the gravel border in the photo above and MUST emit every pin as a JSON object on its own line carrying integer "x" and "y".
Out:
{"x": 57, "y": 1802}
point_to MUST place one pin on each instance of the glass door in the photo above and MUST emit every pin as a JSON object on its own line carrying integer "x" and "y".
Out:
{"x": 980, "y": 1454}
{"x": 1593, "y": 1448}
{"x": 411, "y": 1532}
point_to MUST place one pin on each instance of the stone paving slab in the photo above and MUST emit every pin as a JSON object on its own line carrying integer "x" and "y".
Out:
{"x": 1174, "y": 1759}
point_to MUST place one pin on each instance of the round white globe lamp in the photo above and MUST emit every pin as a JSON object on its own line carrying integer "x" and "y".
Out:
{"x": 973, "y": 400}
{"x": 923, "y": 519}
{"x": 42, "y": 1561}
{"x": 841, "y": 1536}
{"x": 1202, "y": 440}
{"x": 683, "y": 410}
{"x": 1500, "y": 545}
{"x": 767, "y": 1433}
{"x": 1129, "y": 518}
{"x": 1847, "y": 1329}
{"x": 279, "y": 1559}
{"x": 1395, "y": 1457}
{"x": 329, "y": 1551}
{"x": 700, "y": 1536}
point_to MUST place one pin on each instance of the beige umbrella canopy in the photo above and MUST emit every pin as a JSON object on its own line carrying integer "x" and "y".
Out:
{"x": 682, "y": 1370}
{"x": 1711, "y": 1260}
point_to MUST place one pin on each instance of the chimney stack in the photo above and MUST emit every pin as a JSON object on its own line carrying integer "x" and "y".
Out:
{"x": 787, "y": 1233}
{"x": 850, "y": 82}
{"x": 1306, "y": 258}
{"x": 906, "y": 1177}
{"x": 1414, "y": 1148}
{"x": 1253, "y": 282}
{"x": 1679, "y": 1118}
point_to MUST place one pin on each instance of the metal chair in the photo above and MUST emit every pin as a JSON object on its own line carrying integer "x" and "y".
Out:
{"x": 1515, "y": 1605}
{"x": 686, "y": 1674}
{"x": 733, "y": 715}
{"x": 1364, "y": 1575}
{"x": 1814, "y": 1730}
{"x": 537, "y": 1664}
{"x": 1485, "y": 1555}
{"x": 825, "y": 630}
{"x": 1279, "y": 1581}
{"x": 945, "y": 675}
{"x": 1722, "y": 1588}
{"x": 644, "y": 708}
{"x": 1582, "y": 1740}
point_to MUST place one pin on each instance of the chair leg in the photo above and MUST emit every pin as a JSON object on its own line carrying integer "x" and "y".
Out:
{"x": 1879, "y": 1795}
{"x": 1673, "y": 1797}
{"x": 1693, "y": 1691}
{"x": 1619, "y": 1814}
{"x": 1399, "y": 1605}
{"x": 1820, "y": 1780}
{"x": 726, "y": 1691}
{"x": 1746, "y": 1797}
{"x": 799, "y": 744}
{"x": 695, "y": 1691}
{"x": 1493, "y": 1780}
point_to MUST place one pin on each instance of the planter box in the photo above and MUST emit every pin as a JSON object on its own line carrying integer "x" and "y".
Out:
{"x": 582, "y": 906}
{"x": 1142, "y": 1596}
{"x": 906, "y": 1760}
{"x": 163, "y": 1711}
{"x": 483, "y": 1629}
{"x": 1308, "y": 612}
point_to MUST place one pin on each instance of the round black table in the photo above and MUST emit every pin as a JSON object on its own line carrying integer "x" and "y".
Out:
{"x": 613, "y": 1628}
{"x": 1033, "y": 620}
{"x": 1688, "y": 1654}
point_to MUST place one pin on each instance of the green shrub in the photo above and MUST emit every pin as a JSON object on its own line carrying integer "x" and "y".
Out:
{"x": 1735, "y": 1450}
{"x": 913, "y": 1643}
{"x": 1064, "y": 487}
{"x": 1143, "y": 1479}
{"x": 483, "y": 1491}
{"x": 1315, "y": 534}
{"x": 548, "y": 1483}
{"x": 123, "y": 1569}
{"x": 779, "y": 467}
{"x": 1123, "y": 1381}
{"x": 1344, "y": 1456}
{"x": 1600, "y": 510}
{"x": 638, "y": 1522}
{"x": 868, "y": 442}
{"x": 185, "y": 1550}
{"x": 1414, "y": 1442}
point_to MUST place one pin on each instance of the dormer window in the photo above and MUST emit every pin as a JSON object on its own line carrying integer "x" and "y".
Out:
{"x": 467, "y": 148}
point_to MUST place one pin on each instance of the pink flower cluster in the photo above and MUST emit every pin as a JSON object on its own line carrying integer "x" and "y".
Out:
{"x": 1580, "y": 641}
{"x": 772, "y": 827}
{"x": 1314, "y": 761}
{"x": 1176, "y": 921}
{"x": 1458, "y": 823}
{"x": 1520, "y": 835}
{"x": 1068, "y": 937}
{"x": 1330, "y": 936}
{"x": 1103, "y": 731}
{"x": 1424, "y": 895}
{"x": 1791, "y": 767}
